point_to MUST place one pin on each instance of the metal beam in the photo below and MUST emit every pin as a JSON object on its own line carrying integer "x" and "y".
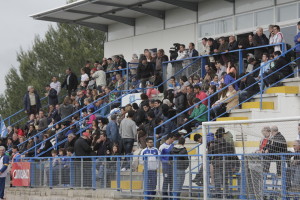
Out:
{"x": 135, "y": 7}
{"x": 100, "y": 27}
{"x": 183, "y": 4}
{"x": 125, "y": 20}
{"x": 150, "y": 12}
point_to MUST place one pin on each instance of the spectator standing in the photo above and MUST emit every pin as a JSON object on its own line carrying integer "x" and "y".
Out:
{"x": 276, "y": 144}
{"x": 128, "y": 131}
{"x": 266, "y": 132}
{"x": 277, "y": 38}
{"x": 55, "y": 84}
{"x": 42, "y": 122}
{"x": 167, "y": 168}
{"x": 297, "y": 42}
{"x": 70, "y": 81}
{"x": 82, "y": 148}
{"x": 232, "y": 45}
{"x": 293, "y": 172}
{"x": 112, "y": 130}
{"x": 52, "y": 95}
{"x": 144, "y": 71}
{"x": 182, "y": 54}
{"x": 180, "y": 104}
{"x": 260, "y": 39}
{"x": 70, "y": 141}
{"x": 161, "y": 57}
{"x": 181, "y": 163}
{"x": 204, "y": 47}
{"x": 31, "y": 100}
{"x": 150, "y": 161}
{"x": 87, "y": 68}
{"x": 100, "y": 77}
{"x": 65, "y": 110}
{"x": 4, "y": 162}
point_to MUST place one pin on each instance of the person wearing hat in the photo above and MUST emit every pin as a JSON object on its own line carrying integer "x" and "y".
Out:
{"x": 297, "y": 42}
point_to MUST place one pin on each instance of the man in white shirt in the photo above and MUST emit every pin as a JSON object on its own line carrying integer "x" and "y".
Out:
{"x": 100, "y": 77}
{"x": 264, "y": 62}
{"x": 55, "y": 84}
{"x": 150, "y": 162}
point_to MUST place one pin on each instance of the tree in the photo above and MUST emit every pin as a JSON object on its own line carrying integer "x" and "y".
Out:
{"x": 63, "y": 46}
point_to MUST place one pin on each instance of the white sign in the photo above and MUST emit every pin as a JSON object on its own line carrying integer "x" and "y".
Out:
{"x": 131, "y": 98}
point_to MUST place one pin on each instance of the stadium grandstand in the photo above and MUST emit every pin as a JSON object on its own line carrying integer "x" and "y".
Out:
{"x": 193, "y": 99}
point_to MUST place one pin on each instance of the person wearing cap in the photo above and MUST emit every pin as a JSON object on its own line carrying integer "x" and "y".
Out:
{"x": 297, "y": 42}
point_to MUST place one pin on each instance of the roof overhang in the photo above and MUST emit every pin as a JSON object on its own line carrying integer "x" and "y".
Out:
{"x": 98, "y": 14}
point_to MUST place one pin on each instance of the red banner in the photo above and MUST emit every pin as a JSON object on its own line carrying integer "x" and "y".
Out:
{"x": 20, "y": 173}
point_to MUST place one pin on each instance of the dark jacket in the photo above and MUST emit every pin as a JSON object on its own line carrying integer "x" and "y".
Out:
{"x": 251, "y": 90}
{"x": 26, "y": 101}
{"x": 277, "y": 144}
{"x": 66, "y": 110}
{"x": 260, "y": 41}
{"x": 220, "y": 146}
{"x": 280, "y": 62}
{"x": 233, "y": 46}
{"x": 144, "y": 71}
{"x": 82, "y": 147}
{"x": 112, "y": 132}
{"x": 180, "y": 102}
{"x": 70, "y": 144}
{"x": 52, "y": 97}
{"x": 47, "y": 146}
{"x": 167, "y": 127}
{"x": 73, "y": 82}
{"x": 102, "y": 147}
{"x": 182, "y": 162}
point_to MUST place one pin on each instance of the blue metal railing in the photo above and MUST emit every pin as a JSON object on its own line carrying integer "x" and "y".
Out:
{"x": 239, "y": 190}
{"x": 216, "y": 93}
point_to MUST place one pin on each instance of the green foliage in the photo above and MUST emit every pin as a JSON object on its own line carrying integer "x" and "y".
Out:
{"x": 63, "y": 46}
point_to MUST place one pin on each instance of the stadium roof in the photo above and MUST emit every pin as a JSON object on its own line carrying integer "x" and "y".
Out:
{"x": 98, "y": 14}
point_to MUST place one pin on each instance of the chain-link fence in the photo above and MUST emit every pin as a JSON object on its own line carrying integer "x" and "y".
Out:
{"x": 252, "y": 159}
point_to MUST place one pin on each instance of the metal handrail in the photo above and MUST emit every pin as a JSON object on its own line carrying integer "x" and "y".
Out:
{"x": 216, "y": 93}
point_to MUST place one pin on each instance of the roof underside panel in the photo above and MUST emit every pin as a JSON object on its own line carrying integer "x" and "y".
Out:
{"x": 101, "y": 13}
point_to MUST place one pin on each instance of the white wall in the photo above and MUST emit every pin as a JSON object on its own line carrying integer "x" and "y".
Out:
{"x": 285, "y": 1}
{"x": 160, "y": 39}
{"x": 148, "y": 24}
{"x": 214, "y": 9}
{"x": 246, "y": 5}
{"x": 117, "y": 31}
{"x": 179, "y": 17}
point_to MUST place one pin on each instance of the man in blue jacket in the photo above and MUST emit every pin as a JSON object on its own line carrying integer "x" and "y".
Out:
{"x": 4, "y": 162}
{"x": 297, "y": 42}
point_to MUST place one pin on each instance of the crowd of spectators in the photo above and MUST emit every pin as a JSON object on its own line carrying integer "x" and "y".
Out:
{"x": 100, "y": 84}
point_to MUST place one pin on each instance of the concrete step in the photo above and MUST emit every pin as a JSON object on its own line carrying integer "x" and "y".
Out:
{"x": 265, "y": 105}
{"x": 126, "y": 184}
{"x": 292, "y": 82}
{"x": 283, "y": 89}
{"x": 231, "y": 118}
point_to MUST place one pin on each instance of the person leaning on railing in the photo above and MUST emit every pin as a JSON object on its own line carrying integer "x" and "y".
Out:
{"x": 276, "y": 73}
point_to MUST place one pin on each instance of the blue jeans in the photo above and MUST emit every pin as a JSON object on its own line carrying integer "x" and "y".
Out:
{"x": 167, "y": 181}
{"x": 2, "y": 186}
{"x": 150, "y": 184}
{"x": 179, "y": 178}
{"x": 127, "y": 145}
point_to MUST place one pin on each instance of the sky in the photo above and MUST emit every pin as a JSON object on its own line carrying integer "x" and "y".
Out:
{"x": 19, "y": 29}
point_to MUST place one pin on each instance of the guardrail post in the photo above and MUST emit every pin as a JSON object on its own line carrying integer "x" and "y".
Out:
{"x": 261, "y": 89}
{"x": 241, "y": 62}
{"x": 72, "y": 177}
{"x": 283, "y": 176}
{"x": 243, "y": 179}
{"x": 203, "y": 63}
{"x": 118, "y": 174}
{"x": 127, "y": 79}
{"x": 94, "y": 184}
{"x": 51, "y": 174}
{"x": 145, "y": 179}
{"x": 283, "y": 47}
{"x": 208, "y": 110}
